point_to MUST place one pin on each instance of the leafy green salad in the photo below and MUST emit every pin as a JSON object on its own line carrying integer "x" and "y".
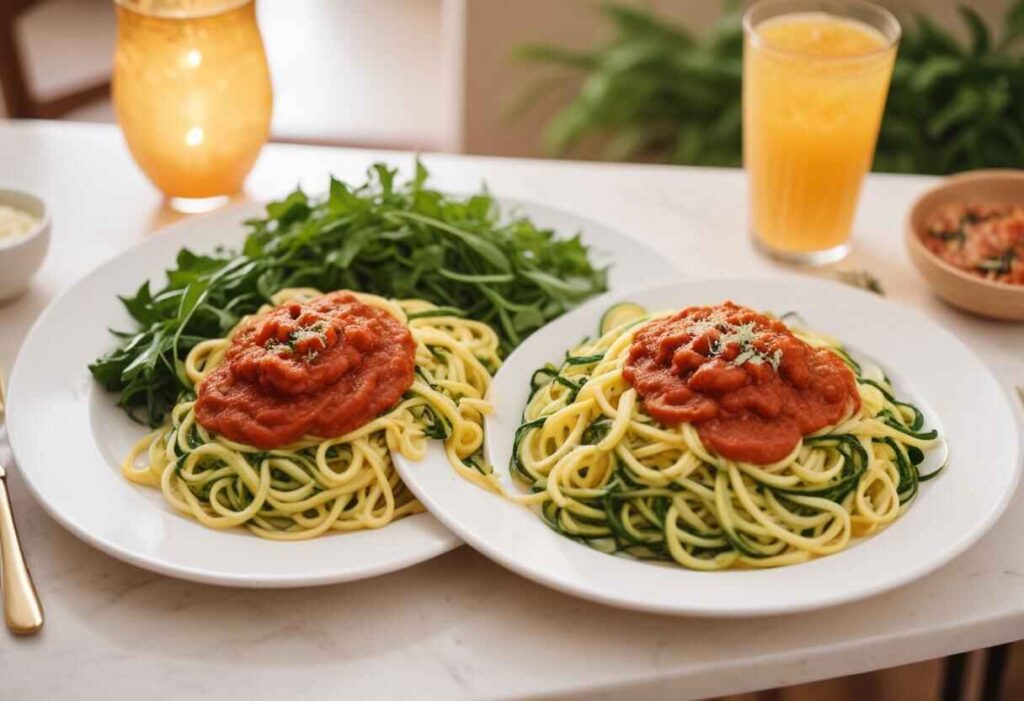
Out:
{"x": 390, "y": 238}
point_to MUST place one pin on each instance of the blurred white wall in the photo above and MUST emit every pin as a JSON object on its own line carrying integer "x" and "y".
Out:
{"x": 358, "y": 71}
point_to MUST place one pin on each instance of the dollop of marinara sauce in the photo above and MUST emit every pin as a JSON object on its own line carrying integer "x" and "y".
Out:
{"x": 750, "y": 387}
{"x": 323, "y": 368}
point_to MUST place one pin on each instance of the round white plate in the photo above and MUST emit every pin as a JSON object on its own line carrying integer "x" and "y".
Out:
{"x": 928, "y": 364}
{"x": 68, "y": 436}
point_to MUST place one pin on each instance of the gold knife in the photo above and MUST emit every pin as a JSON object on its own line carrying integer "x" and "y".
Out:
{"x": 22, "y": 610}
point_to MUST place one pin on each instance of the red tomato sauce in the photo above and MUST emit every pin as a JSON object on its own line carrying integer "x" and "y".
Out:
{"x": 323, "y": 367}
{"x": 751, "y": 387}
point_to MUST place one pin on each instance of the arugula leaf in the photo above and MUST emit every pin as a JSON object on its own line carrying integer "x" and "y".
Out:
{"x": 140, "y": 305}
{"x": 481, "y": 246}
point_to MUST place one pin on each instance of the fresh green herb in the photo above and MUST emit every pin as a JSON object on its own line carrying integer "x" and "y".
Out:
{"x": 596, "y": 431}
{"x": 859, "y": 278}
{"x": 384, "y": 237}
{"x": 658, "y": 91}
{"x": 437, "y": 311}
{"x": 741, "y": 335}
{"x": 584, "y": 359}
{"x": 957, "y": 235}
{"x": 436, "y": 425}
{"x": 998, "y": 265}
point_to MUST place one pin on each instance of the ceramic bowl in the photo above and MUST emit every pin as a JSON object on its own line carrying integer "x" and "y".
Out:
{"x": 21, "y": 256}
{"x": 997, "y": 300}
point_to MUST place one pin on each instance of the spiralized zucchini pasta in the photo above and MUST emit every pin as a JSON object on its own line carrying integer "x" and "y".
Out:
{"x": 601, "y": 469}
{"x": 318, "y": 483}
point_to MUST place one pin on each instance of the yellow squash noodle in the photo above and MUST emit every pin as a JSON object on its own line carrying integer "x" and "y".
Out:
{"x": 602, "y": 471}
{"x": 342, "y": 483}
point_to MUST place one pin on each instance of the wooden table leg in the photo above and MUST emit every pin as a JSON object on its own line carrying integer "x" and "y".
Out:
{"x": 995, "y": 672}
{"x": 953, "y": 677}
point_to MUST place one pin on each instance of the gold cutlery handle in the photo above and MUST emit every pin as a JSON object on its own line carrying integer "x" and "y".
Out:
{"x": 22, "y": 610}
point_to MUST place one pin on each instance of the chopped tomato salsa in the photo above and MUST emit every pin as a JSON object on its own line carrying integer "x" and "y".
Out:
{"x": 983, "y": 239}
{"x": 750, "y": 386}
{"x": 323, "y": 367}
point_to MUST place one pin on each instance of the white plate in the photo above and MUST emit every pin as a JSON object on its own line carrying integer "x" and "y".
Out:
{"x": 68, "y": 437}
{"x": 926, "y": 363}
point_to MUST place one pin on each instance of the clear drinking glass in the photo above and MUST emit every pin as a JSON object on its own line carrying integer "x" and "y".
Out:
{"x": 815, "y": 78}
{"x": 192, "y": 95}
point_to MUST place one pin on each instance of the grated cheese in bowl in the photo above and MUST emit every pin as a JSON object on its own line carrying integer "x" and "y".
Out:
{"x": 15, "y": 223}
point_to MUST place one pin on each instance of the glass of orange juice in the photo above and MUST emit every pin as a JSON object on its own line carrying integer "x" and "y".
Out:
{"x": 192, "y": 95}
{"x": 815, "y": 78}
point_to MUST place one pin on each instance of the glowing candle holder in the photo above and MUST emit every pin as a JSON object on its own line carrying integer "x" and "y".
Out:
{"x": 192, "y": 95}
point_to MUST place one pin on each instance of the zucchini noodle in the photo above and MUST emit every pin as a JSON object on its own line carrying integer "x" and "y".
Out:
{"x": 342, "y": 483}
{"x": 603, "y": 472}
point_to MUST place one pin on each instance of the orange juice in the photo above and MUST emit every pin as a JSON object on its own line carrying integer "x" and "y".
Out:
{"x": 192, "y": 92}
{"x": 814, "y": 90}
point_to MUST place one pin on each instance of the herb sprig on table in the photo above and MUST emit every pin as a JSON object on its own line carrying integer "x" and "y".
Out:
{"x": 401, "y": 240}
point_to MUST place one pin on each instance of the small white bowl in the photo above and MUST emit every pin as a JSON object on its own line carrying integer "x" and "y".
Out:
{"x": 21, "y": 256}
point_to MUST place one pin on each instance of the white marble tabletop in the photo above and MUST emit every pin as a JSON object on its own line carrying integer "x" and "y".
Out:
{"x": 460, "y": 626}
